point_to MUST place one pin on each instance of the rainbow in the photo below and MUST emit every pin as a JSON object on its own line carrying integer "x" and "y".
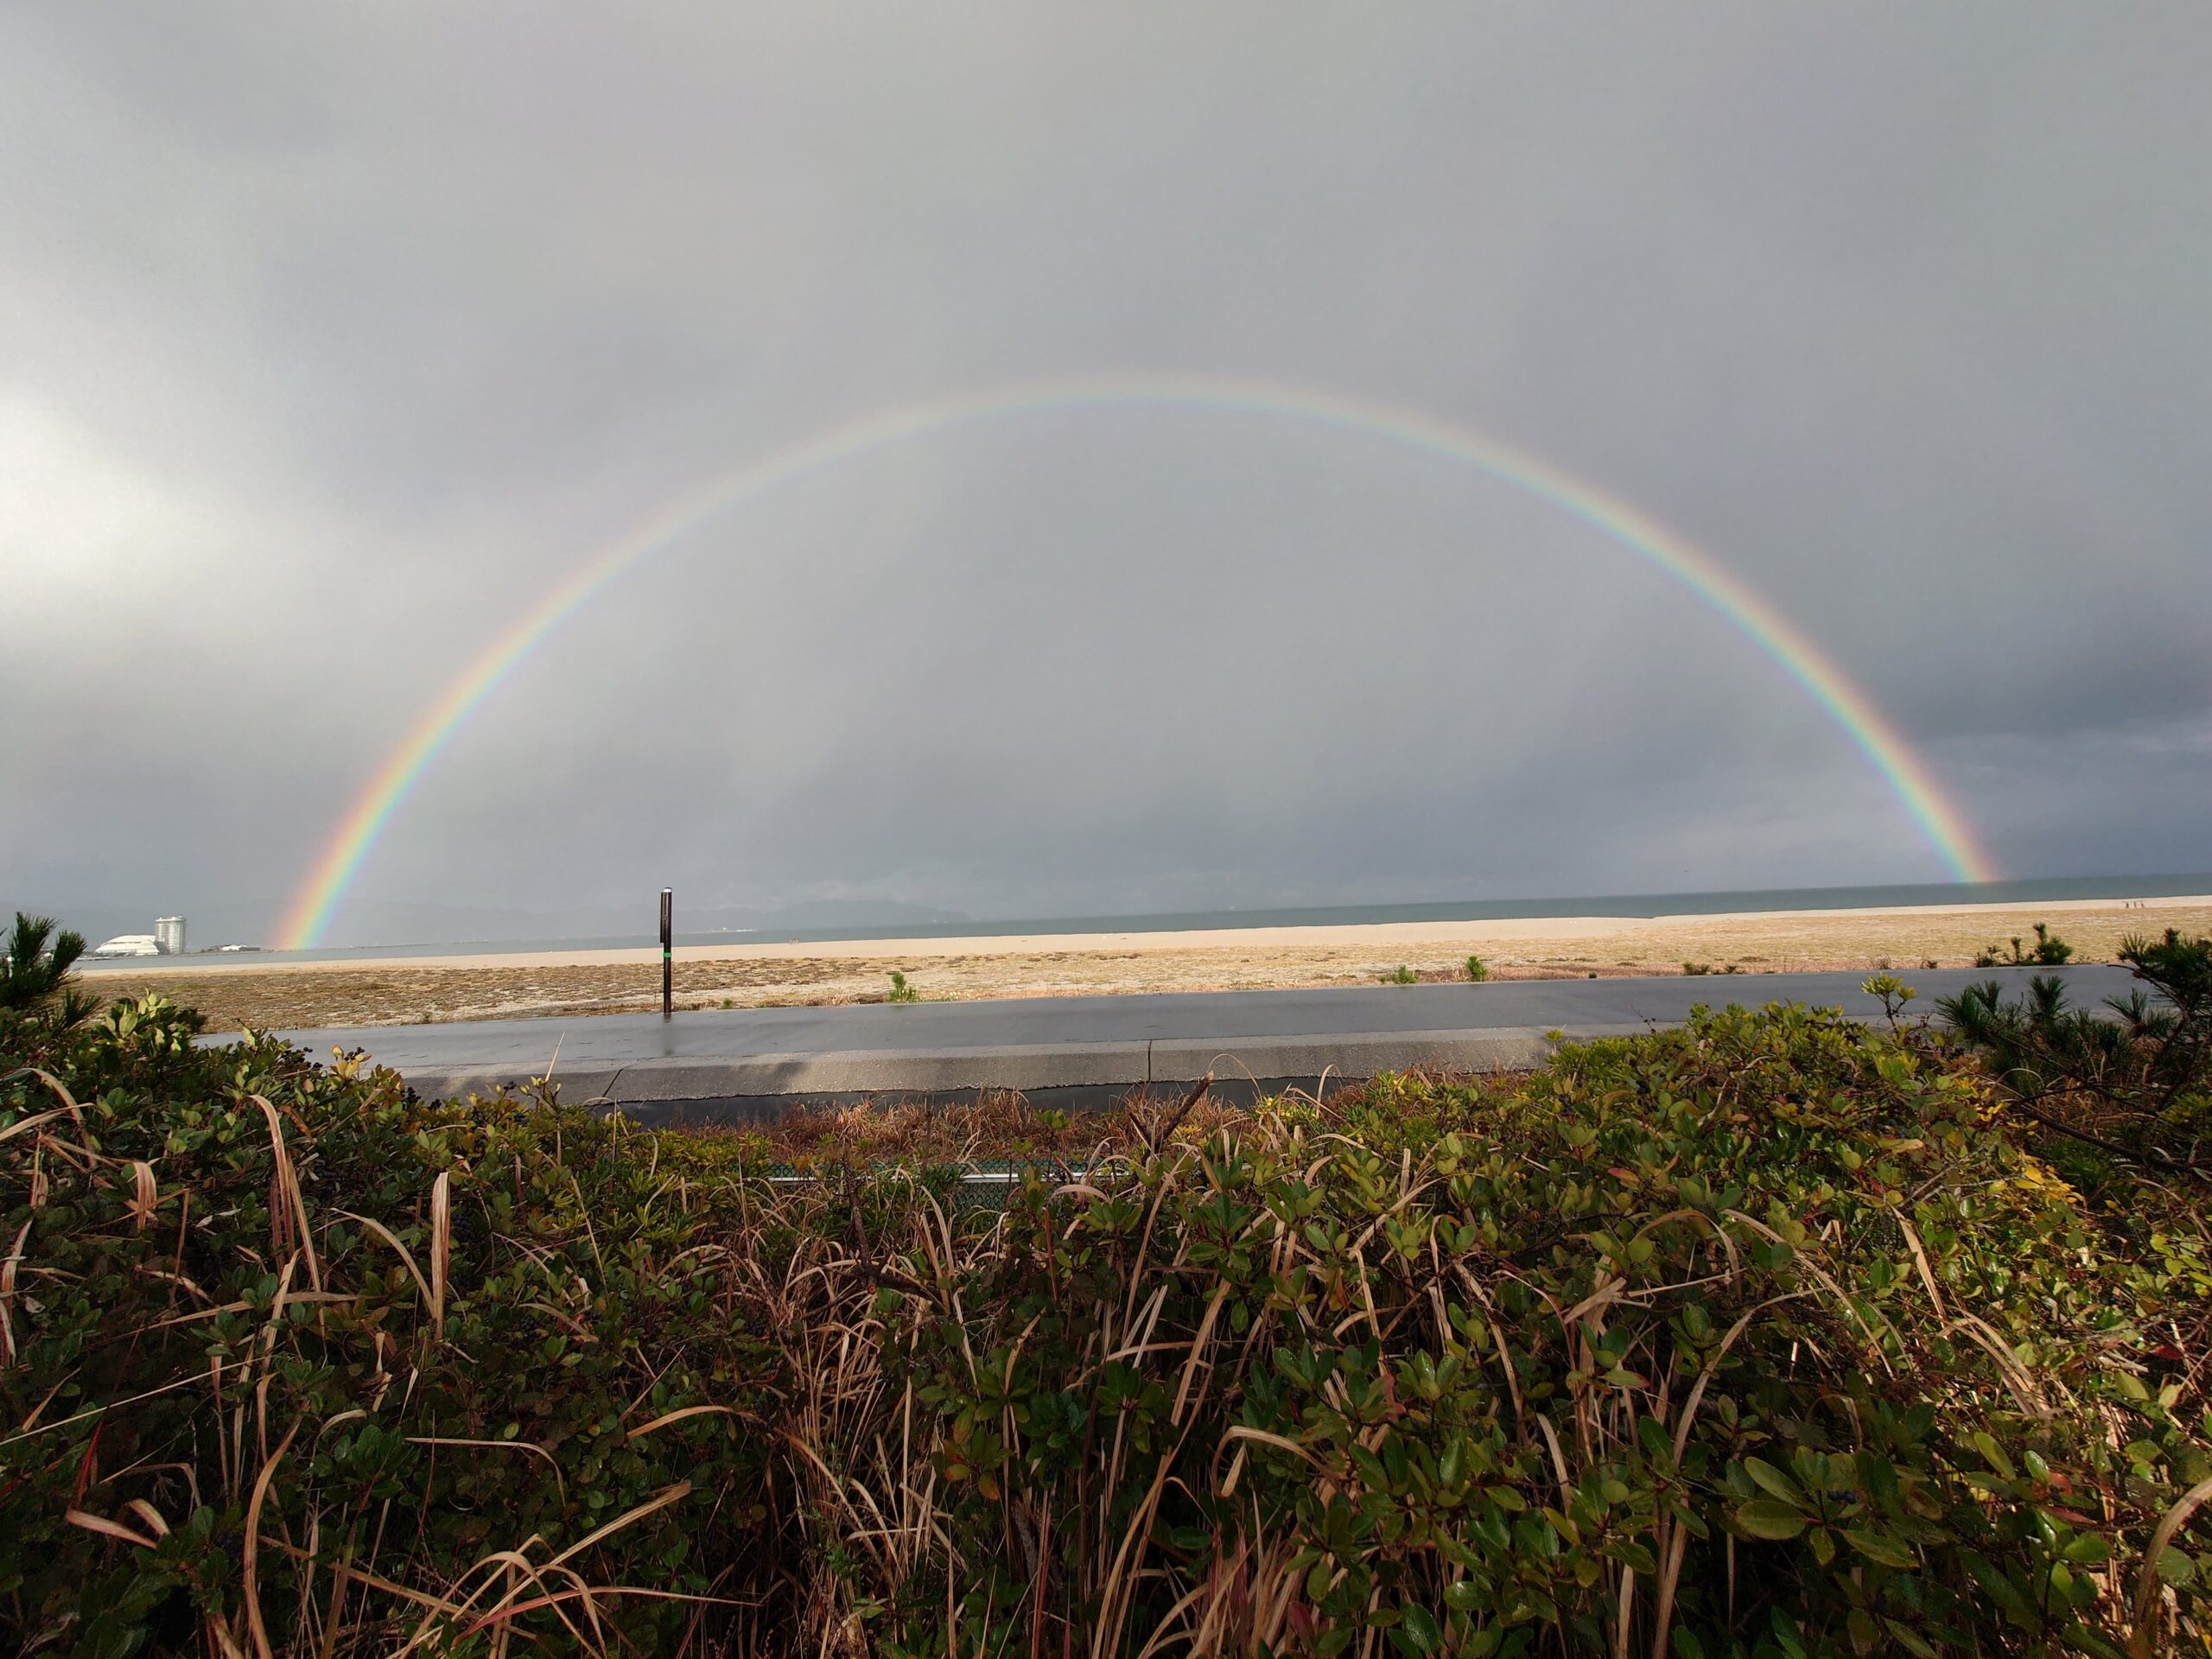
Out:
{"x": 1908, "y": 776}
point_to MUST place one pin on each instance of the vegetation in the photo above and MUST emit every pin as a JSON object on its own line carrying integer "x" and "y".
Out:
{"x": 1402, "y": 975}
{"x": 2048, "y": 951}
{"x": 2133, "y": 1079}
{"x": 34, "y": 973}
{"x": 1771, "y": 1335}
{"x": 901, "y": 991}
{"x": 1478, "y": 970}
{"x": 997, "y": 1126}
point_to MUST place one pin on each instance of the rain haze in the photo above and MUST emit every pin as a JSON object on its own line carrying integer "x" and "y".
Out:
{"x": 333, "y": 341}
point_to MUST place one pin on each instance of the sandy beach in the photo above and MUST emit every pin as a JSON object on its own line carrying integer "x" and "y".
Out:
{"x": 409, "y": 989}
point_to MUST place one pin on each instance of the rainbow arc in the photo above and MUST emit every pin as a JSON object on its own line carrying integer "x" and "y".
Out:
{"x": 1939, "y": 821}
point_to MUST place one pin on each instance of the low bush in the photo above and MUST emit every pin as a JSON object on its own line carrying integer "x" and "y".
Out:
{"x": 2048, "y": 951}
{"x": 1758, "y": 1336}
{"x": 2132, "y": 1078}
{"x": 35, "y": 971}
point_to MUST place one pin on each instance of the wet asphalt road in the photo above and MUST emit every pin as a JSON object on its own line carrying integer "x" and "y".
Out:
{"x": 1053, "y": 1042}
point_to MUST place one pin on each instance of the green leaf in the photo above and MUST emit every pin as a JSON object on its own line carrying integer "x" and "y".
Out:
{"x": 1774, "y": 1481}
{"x": 1764, "y": 1518}
{"x": 2001, "y": 1590}
{"x": 1879, "y": 1477}
{"x": 1633, "y": 1555}
{"x": 1318, "y": 1580}
{"x": 1878, "y": 1546}
{"x": 2087, "y": 1550}
{"x": 1419, "y": 1627}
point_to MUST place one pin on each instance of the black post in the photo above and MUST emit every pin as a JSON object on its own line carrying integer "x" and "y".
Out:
{"x": 667, "y": 953}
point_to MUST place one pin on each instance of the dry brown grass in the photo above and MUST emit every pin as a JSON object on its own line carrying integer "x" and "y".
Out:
{"x": 996, "y": 1125}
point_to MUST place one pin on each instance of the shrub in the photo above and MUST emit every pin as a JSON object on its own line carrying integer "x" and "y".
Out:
{"x": 1758, "y": 1336}
{"x": 1478, "y": 970}
{"x": 275, "y": 1321}
{"x": 2134, "y": 1079}
{"x": 1892, "y": 992}
{"x": 1402, "y": 975}
{"x": 900, "y": 990}
{"x": 1644, "y": 1348}
{"x": 2048, "y": 951}
{"x": 34, "y": 973}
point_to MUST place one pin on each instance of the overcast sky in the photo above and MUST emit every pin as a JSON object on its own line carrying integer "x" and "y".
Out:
{"x": 331, "y": 338}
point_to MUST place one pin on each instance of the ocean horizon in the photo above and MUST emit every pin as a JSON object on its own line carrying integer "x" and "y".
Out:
{"x": 1709, "y": 903}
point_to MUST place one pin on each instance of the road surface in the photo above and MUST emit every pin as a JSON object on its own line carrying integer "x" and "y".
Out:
{"x": 1084, "y": 1042}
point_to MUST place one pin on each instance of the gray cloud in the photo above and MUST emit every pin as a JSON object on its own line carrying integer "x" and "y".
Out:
{"x": 329, "y": 341}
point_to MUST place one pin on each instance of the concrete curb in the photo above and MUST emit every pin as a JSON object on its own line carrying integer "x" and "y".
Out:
{"x": 1025, "y": 1067}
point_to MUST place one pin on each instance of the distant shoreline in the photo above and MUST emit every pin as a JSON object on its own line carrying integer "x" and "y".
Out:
{"x": 1646, "y": 906}
{"x": 1262, "y": 939}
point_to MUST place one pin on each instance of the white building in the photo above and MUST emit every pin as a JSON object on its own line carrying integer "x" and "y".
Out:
{"x": 168, "y": 935}
{"x": 129, "y": 944}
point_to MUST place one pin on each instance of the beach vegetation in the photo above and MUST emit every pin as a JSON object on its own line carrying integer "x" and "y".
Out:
{"x": 36, "y": 973}
{"x": 2049, "y": 951}
{"x": 901, "y": 991}
{"x": 1892, "y": 993}
{"x": 1478, "y": 970}
{"x": 2131, "y": 1080}
{"x": 1774, "y": 1335}
{"x": 1402, "y": 975}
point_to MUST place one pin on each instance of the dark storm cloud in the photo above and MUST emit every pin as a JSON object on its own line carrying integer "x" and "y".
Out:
{"x": 327, "y": 340}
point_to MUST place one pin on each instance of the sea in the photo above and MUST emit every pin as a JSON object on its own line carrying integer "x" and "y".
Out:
{"x": 1474, "y": 910}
